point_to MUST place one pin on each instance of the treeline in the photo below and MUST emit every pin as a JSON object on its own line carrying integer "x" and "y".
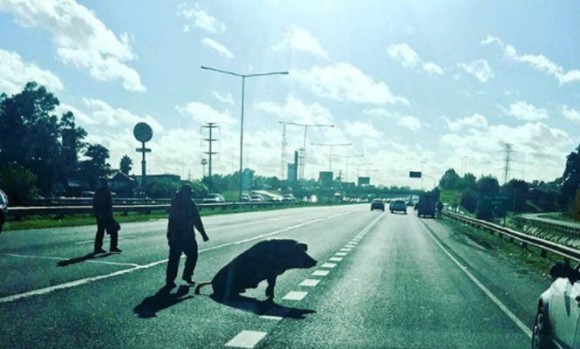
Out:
{"x": 488, "y": 199}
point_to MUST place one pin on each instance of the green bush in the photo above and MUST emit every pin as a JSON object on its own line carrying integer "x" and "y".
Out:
{"x": 18, "y": 183}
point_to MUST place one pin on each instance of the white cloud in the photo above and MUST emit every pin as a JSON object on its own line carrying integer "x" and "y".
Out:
{"x": 410, "y": 122}
{"x": 473, "y": 121}
{"x": 295, "y": 110}
{"x": 300, "y": 39}
{"x": 538, "y": 62}
{"x": 15, "y": 73}
{"x": 359, "y": 129}
{"x": 379, "y": 112}
{"x": 404, "y": 54}
{"x": 102, "y": 113}
{"x": 221, "y": 49}
{"x": 345, "y": 82}
{"x": 227, "y": 98}
{"x": 82, "y": 40}
{"x": 525, "y": 111}
{"x": 479, "y": 68}
{"x": 432, "y": 68}
{"x": 571, "y": 114}
{"x": 204, "y": 113}
{"x": 199, "y": 18}
{"x": 534, "y": 143}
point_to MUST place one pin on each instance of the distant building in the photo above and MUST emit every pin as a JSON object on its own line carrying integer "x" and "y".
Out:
{"x": 325, "y": 179}
{"x": 122, "y": 184}
{"x": 160, "y": 177}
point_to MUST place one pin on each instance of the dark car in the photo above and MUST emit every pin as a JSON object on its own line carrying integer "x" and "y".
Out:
{"x": 377, "y": 204}
{"x": 557, "y": 323}
{"x": 398, "y": 206}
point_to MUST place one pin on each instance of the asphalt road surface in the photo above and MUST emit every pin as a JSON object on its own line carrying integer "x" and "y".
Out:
{"x": 382, "y": 281}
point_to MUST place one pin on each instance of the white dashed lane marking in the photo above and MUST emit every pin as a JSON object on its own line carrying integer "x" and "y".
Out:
{"x": 309, "y": 282}
{"x": 328, "y": 265}
{"x": 345, "y": 249}
{"x": 295, "y": 295}
{"x": 341, "y": 254}
{"x": 271, "y": 317}
{"x": 335, "y": 259}
{"x": 320, "y": 273}
{"x": 246, "y": 339}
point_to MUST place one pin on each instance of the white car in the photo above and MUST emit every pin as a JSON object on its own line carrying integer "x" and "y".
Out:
{"x": 213, "y": 198}
{"x": 557, "y": 323}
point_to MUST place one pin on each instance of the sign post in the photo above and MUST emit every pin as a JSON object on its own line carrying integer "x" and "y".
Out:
{"x": 143, "y": 133}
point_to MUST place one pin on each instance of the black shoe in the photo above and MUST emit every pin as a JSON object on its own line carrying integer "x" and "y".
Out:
{"x": 100, "y": 250}
{"x": 115, "y": 250}
{"x": 189, "y": 282}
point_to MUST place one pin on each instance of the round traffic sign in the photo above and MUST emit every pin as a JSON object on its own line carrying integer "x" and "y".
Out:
{"x": 143, "y": 132}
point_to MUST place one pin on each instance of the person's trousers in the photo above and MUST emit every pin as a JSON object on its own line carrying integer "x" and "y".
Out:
{"x": 189, "y": 248}
{"x": 114, "y": 233}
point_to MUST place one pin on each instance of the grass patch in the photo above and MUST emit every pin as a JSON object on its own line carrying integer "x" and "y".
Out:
{"x": 512, "y": 252}
{"x": 450, "y": 196}
{"x": 38, "y": 222}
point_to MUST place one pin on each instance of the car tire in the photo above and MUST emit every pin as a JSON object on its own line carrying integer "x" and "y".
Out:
{"x": 541, "y": 331}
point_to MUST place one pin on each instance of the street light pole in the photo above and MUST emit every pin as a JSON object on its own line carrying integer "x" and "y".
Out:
{"x": 348, "y": 157}
{"x": 243, "y": 76}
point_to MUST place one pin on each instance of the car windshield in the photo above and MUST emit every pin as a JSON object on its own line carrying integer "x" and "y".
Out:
{"x": 289, "y": 174}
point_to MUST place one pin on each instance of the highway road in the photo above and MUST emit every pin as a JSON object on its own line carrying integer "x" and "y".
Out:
{"x": 382, "y": 281}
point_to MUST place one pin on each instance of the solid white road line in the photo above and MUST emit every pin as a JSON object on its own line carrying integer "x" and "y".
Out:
{"x": 80, "y": 282}
{"x": 309, "y": 282}
{"x": 320, "y": 273}
{"x": 479, "y": 284}
{"x": 335, "y": 259}
{"x": 295, "y": 295}
{"x": 328, "y": 265}
{"x": 246, "y": 339}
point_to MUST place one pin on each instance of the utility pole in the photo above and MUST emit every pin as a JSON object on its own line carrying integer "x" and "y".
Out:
{"x": 508, "y": 150}
{"x": 210, "y": 126}
{"x": 302, "y": 157}
{"x": 331, "y": 146}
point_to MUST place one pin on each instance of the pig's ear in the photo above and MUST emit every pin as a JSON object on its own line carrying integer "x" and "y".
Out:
{"x": 302, "y": 246}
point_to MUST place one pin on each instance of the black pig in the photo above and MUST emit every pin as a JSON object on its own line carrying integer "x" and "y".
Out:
{"x": 263, "y": 261}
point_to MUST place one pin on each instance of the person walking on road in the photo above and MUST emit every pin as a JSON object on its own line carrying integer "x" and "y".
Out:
{"x": 183, "y": 217}
{"x": 103, "y": 210}
{"x": 439, "y": 209}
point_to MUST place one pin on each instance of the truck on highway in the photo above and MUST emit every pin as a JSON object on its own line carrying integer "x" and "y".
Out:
{"x": 427, "y": 206}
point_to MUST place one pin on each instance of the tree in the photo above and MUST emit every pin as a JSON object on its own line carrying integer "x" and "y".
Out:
{"x": 96, "y": 165}
{"x": 570, "y": 178}
{"x": 469, "y": 199}
{"x": 30, "y": 133}
{"x": 487, "y": 188}
{"x": 518, "y": 192}
{"x": 126, "y": 164}
{"x": 449, "y": 180}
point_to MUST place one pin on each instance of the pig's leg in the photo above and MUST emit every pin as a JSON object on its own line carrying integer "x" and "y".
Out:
{"x": 270, "y": 289}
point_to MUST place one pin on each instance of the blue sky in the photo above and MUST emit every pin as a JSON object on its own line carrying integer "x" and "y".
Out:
{"x": 410, "y": 84}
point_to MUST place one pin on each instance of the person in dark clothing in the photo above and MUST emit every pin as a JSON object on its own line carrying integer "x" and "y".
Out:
{"x": 183, "y": 217}
{"x": 439, "y": 209}
{"x": 103, "y": 210}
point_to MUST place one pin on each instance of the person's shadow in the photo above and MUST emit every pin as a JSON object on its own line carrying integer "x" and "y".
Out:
{"x": 81, "y": 259}
{"x": 264, "y": 307}
{"x": 163, "y": 299}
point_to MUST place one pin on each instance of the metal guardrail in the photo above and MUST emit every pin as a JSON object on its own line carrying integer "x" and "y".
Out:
{"x": 546, "y": 226}
{"x": 20, "y": 212}
{"x": 545, "y": 246}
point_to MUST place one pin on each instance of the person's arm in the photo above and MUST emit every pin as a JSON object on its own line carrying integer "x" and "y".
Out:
{"x": 198, "y": 223}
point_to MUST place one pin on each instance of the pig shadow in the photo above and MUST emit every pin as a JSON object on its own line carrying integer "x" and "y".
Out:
{"x": 81, "y": 259}
{"x": 163, "y": 299}
{"x": 264, "y": 307}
